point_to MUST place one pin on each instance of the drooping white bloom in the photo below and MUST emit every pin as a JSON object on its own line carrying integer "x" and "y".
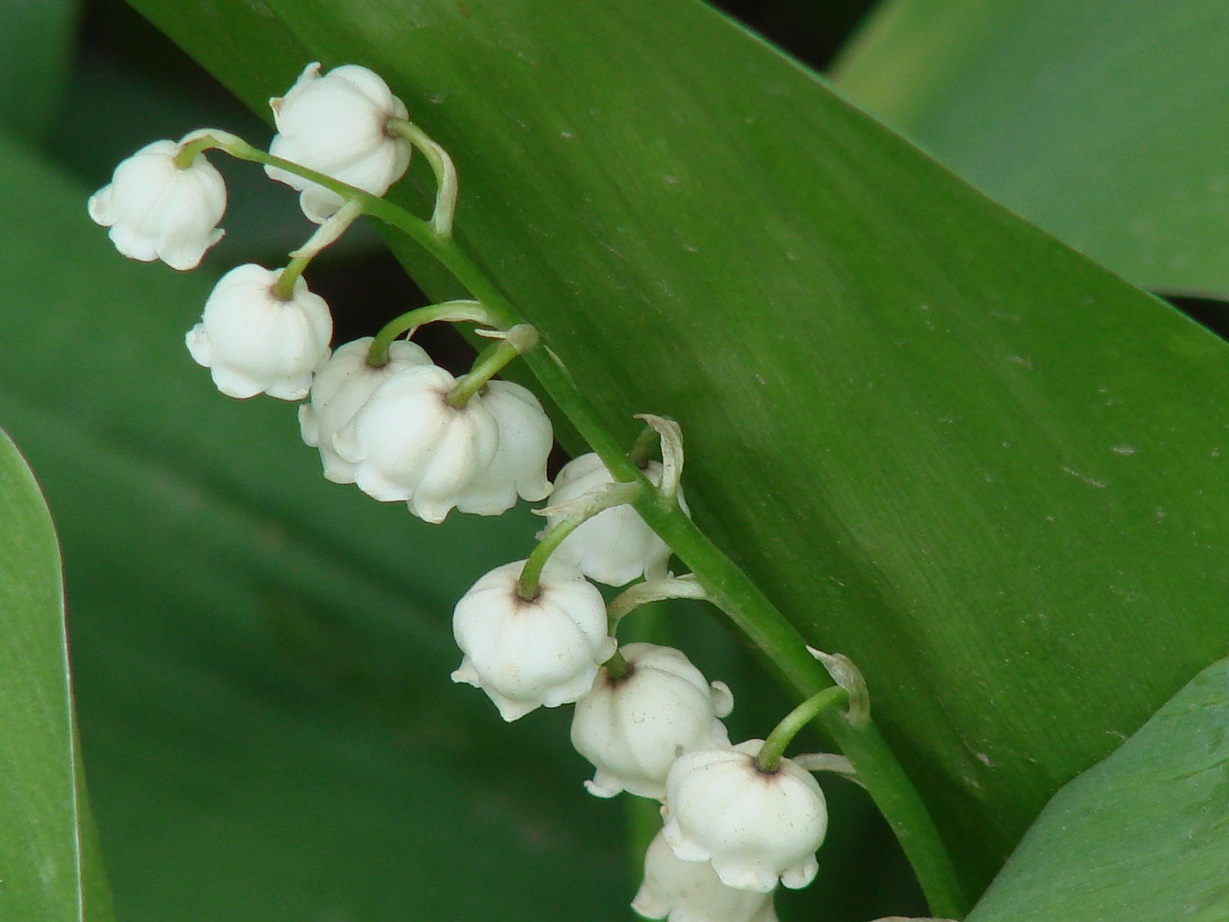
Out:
{"x": 691, "y": 891}
{"x": 407, "y": 442}
{"x": 634, "y": 728}
{"x": 755, "y": 827}
{"x": 525, "y": 440}
{"x": 615, "y": 546}
{"x": 252, "y": 341}
{"x": 157, "y": 210}
{"x": 340, "y": 390}
{"x": 335, "y": 124}
{"x": 530, "y": 654}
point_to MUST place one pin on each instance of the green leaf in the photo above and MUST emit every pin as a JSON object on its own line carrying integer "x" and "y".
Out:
{"x": 48, "y": 851}
{"x": 940, "y": 441}
{"x": 261, "y": 657}
{"x": 1143, "y": 835}
{"x": 1101, "y": 120}
{"x": 36, "y": 49}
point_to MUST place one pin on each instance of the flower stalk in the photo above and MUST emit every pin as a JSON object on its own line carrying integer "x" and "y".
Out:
{"x": 515, "y": 342}
{"x": 283, "y": 288}
{"x": 577, "y": 513}
{"x": 443, "y": 167}
{"x": 653, "y": 590}
{"x": 460, "y": 311}
{"x": 793, "y": 722}
{"x": 644, "y": 447}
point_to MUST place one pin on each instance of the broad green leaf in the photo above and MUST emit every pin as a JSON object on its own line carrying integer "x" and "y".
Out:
{"x": 983, "y": 467}
{"x": 36, "y": 47}
{"x": 1144, "y": 835}
{"x": 1101, "y": 120}
{"x": 48, "y": 854}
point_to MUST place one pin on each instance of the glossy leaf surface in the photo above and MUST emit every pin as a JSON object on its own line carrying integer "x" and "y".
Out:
{"x": 944, "y": 444}
{"x": 1103, "y": 121}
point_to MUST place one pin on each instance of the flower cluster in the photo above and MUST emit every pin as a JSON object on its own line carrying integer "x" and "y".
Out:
{"x": 388, "y": 419}
{"x": 739, "y": 819}
{"x": 645, "y": 717}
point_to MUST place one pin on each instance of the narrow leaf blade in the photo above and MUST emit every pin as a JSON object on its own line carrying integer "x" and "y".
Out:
{"x": 48, "y": 859}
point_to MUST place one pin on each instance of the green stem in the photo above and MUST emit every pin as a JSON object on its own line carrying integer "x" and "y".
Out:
{"x": 644, "y": 447}
{"x": 452, "y": 311}
{"x": 189, "y": 151}
{"x": 784, "y": 732}
{"x": 242, "y": 150}
{"x": 726, "y": 585}
{"x": 616, "y": 667}
{"x": 283, "y": 288}
{"x": 527, "y": 586}
{"x": 572, "y": 514}
{"x": 441, "y": 165}
{"x": 517, "y": 341}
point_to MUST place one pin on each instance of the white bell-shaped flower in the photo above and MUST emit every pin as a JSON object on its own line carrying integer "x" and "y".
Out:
{"x": 615, "y": 546}
{"x": 335, "y": 124}
{"x": 525, "y": 441}
{"x": 252, "y": 341}
{"x": 339, "y": 391}
{"x": 691, "y": 891}
{"x": 530, "y": 654}
{"x": 157, "y": 210}
{"x": 407, "y": 442}
{"x": 634, "y": 728}
{"x": 755, "y": 827}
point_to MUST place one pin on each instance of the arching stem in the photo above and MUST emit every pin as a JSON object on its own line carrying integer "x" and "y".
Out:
{"x": 784, "y": 732}
{"x": 516, "y": 342}
{"x": 450, "y": 311}
{"x": 443, "y": 167}
{"x": 576, "y": 514}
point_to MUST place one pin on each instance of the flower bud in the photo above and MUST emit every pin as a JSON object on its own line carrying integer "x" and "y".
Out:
{"x": 529, "y": 654}
{"x": 691, "y": 891}
{"x": 633, "y": 728}
{"x": 755, "y": 827}
{"x": 615, "y": 546}
{"x": 340, "y": 390}
{"x": 157, "y": 210}
{"x": 252, "y": 341}
{"x": 525, "y": 441}
{"x": 407, "y": 442}
{"x": 335, "y": 124}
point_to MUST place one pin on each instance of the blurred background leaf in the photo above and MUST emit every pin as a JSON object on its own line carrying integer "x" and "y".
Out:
{"x": 49, "y": 863}
{"x": 942, "y": 442}
{"x": 1103, "y": 121}
{"x": 36, "y": 53}
{"x": 1144, "y": 835}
